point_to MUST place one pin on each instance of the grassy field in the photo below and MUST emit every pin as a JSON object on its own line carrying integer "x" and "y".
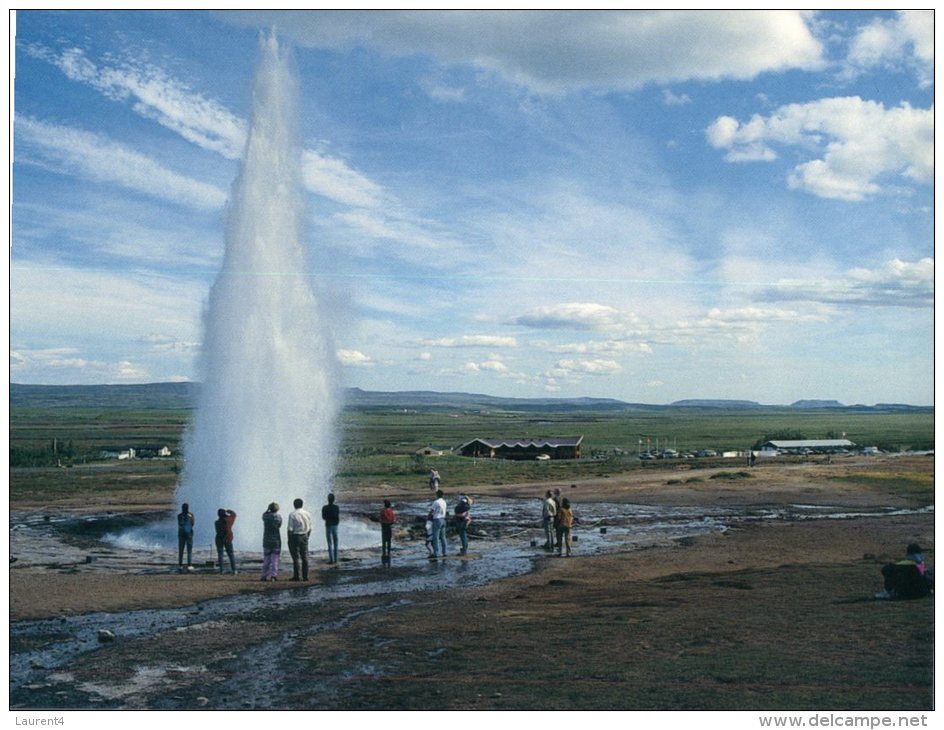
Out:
{"x": 379, "y": 446}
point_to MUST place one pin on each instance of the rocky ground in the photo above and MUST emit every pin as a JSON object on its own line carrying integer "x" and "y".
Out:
{"x": 771, "y": 607}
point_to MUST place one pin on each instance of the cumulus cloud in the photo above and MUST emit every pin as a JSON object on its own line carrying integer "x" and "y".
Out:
{"x": 495, "y": 366}
{"x": 77, "y": 152}
{"x": 354, "y": 358}
{"x": 560, "y": 51}
{"x": 571, "y": 368}
{"x": 905, "y": 40}
{"x": 860, "y": 143}
{"x": 895, "y": 284}
{"x": 574, "y": 315}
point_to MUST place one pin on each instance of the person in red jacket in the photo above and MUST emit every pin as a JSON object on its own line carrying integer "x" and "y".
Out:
{"x": 224, "y": 536}
{"x": 387, "y": 518}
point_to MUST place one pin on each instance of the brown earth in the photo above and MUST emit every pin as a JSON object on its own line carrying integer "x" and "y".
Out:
{"x": 771, "y": 615}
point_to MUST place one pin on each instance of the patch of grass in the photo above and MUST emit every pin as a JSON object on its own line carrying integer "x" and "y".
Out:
{"x": 915, "y": 487}
{"x": 732, "y": 475}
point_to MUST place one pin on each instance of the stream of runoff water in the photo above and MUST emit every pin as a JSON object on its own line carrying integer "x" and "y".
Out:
{"x": 505, "y": 541}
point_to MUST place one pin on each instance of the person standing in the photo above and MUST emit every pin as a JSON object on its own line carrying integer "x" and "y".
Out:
{"x": 271, "y": 542}
{"x": 548, "y": 515}
{"x": 224, "y": 537}
{"x": 433, "y": 479}
{"x": 438, "y": 511}
{"x": 299, "y": 530}
{"x": 331, "y": 514}
{"x": 185, "y": 523}
{"x": 565, "y": 523}
{"x": 463, "y": 518}
{"x": 557, "y": 516}
{"x": 387, "y": 518}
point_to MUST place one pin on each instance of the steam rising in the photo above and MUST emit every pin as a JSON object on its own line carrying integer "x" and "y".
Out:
{"x": 264, "y": 427}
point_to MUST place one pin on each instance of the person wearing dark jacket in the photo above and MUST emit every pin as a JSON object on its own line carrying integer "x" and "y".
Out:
{"x": 271, "y": 542}
{"x": 331, "y": 514}
{"x": 224, "y": 537}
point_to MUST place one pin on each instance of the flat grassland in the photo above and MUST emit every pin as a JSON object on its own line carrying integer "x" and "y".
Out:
{"x": 772, "y": 614}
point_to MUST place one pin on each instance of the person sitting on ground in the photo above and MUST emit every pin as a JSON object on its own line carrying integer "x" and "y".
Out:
{"x": 224, "y": 537}
{"x": 906, "y": 578}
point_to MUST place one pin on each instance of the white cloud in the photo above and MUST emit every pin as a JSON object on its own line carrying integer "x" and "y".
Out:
{"x": 560, "y": 51}
{"x": 575, "y": 316}
{"x": 861, "y": 142}
{"x": 895, "y": 284}
{"x": 155, "y": 96}
{"x": 354, "y": 358}
{"x": 671, "y": 99}
{"x": 473, "y": 341}
{"x": 84, "y": 154}
{"x": 202, "y": 121}
{"x": 65, "y": 364}
{"x": 906, "y": 39}
{"x": 495, "y": 366}
{"x": 335, "y": 180}
{"x": 593, "y": 347}
{"x": 572, "y": 368}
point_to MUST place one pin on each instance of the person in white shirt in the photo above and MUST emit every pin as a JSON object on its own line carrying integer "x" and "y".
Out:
{"x": 548, "y": 513}
{"x": 438, "y": 510}
{"x": 299, "y": 529}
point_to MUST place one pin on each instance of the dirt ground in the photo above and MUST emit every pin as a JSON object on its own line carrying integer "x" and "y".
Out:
{"x": 771, "y": 615}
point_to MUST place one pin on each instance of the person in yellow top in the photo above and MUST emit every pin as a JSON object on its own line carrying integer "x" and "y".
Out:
{"x": 564, "y": 524}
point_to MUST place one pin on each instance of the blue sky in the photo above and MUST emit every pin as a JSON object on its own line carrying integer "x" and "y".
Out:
{"x": 644, "y": 205}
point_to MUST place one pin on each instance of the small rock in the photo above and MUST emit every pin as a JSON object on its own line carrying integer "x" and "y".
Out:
{"x": 202, "y": 701}
{"x": 104, "y": 636}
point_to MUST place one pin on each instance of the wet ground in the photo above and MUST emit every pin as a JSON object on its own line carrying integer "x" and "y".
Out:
{"x": 505, "y": 539}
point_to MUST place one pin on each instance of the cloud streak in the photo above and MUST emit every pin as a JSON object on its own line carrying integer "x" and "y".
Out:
{"x": 84, "y": 154}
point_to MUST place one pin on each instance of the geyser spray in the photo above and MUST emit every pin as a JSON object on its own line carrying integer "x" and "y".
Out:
{"x": 265, "y": 422}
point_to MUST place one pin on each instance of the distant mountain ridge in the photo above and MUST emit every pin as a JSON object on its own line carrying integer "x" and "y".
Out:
{"x": 184, "y": 394}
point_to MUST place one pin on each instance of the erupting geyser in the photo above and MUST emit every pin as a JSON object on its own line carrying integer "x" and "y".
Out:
{"x": 264, "y": 426}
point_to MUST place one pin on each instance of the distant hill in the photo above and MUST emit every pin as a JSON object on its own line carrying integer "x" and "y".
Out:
{"x": 149, "y": 395}
{"x": 183, "y": 395}
{"x": 714, "y": 403}
{"x": 357, "y": 398}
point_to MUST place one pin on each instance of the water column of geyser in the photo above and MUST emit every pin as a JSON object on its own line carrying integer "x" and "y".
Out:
{"x": 264, "y": 426}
